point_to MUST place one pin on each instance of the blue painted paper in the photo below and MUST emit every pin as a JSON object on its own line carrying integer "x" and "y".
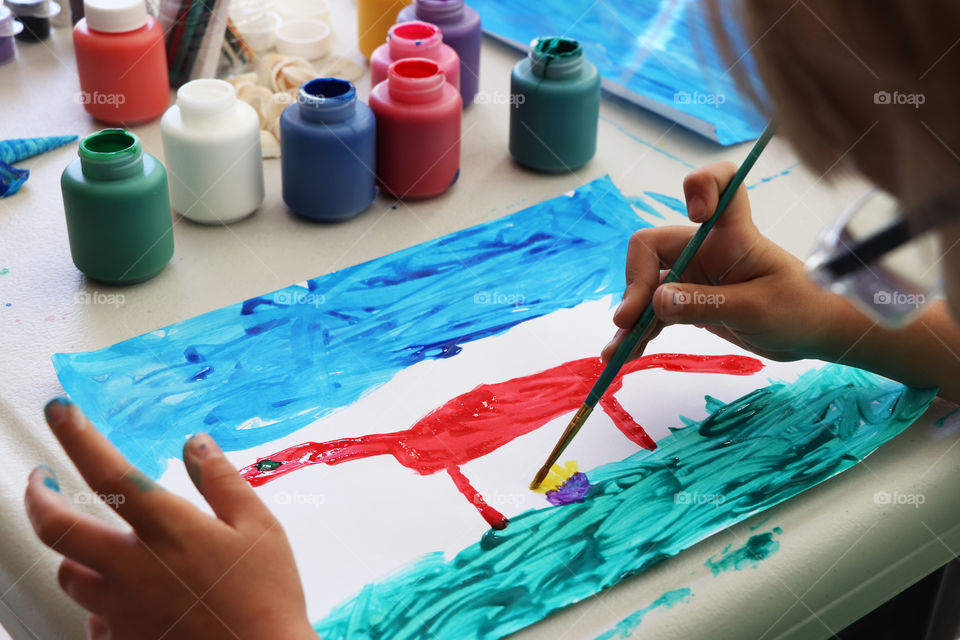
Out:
{"x": 755, "y": 452}
{"x": 659, "y": 54}
{"x": 258, "y": 370}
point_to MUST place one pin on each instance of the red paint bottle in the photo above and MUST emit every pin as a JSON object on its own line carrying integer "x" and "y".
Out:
{"x": 414, "y": 40}
{"x": 121, "y": 61}
{"x": 418, "y": 129}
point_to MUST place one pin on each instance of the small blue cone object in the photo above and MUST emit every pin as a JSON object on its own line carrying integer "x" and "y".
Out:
{"x": 19, "y": 149}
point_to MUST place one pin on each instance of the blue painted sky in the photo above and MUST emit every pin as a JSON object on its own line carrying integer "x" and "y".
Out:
{"x": 258, "y": 370}
{"x": 661, "y": 50}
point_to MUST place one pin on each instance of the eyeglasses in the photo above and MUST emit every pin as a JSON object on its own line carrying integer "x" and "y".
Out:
{"x": 884, "y": 259}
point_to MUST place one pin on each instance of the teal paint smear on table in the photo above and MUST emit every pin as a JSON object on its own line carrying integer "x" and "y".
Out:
{"x": 650, "y": 145}
{"x": 758, "y": 547}
{"x": 628, "y": 625}
{"x": 942, "y": 420}
{"x": 779, "y": 174}
{"x": 756, "y": 451}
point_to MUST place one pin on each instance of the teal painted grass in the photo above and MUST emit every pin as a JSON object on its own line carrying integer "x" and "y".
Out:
{"x": 628, "y": 625}
{"x": 758, "y": 547}
{"x": 756, "y": 452}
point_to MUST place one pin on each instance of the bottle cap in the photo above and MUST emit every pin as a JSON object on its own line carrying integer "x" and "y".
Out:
{"x": 115, "y": 16}
{"x": 8, "y": 26}
{"x": 33, "y": 8}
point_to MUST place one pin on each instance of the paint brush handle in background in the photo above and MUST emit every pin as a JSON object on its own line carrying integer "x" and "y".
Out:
{"x": 646, "y": 321}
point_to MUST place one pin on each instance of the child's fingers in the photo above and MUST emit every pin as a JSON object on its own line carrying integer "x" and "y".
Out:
{"x": 132, "y": 494}
{"x": 649, "y": 251}
{"x": 85, "y": 586}
{"x": 702, "y": 189}
{"x": 734, "y": 306}
{"x": 73, "y": 534}
{"x": 227, "y": 493}
{"x": 638, "y": 351}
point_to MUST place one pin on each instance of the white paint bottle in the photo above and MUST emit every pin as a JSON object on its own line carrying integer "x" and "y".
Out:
{"x": 211, "y": 147}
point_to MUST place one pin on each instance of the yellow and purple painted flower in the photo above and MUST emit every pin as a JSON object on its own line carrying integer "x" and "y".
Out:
{"x": 564, "y": 485}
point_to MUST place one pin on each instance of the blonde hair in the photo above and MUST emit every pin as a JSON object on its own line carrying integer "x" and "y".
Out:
{"x": 831, "y": 70}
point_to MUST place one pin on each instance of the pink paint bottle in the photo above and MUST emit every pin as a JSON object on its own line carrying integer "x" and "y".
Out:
{"x": 418, "y": 129}
{"x": 414, "y": 39}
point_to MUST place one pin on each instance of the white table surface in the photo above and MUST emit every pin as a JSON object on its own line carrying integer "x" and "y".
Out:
{"x": 841, "y": 553}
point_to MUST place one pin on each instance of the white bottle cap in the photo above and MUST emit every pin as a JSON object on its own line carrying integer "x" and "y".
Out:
{"x": 115, "y": 16}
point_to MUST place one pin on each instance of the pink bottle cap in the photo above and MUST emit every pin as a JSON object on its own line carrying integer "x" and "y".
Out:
{"x": 414, "y": 39}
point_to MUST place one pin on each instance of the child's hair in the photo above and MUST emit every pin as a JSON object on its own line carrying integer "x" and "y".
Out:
{"x": 833, "y": 69}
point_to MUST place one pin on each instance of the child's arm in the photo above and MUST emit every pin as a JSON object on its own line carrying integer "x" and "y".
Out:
{"x": 179, "y": 573}
{"x": 746, "y": 289}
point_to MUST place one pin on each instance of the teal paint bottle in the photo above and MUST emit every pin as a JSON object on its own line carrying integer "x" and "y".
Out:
{"x": 118, "y": 209}
{"x": 554, "y": 107}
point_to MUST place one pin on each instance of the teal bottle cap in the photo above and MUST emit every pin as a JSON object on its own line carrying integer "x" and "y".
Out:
{"x": 555, "y": 57}
{"x": 110, "y": 154}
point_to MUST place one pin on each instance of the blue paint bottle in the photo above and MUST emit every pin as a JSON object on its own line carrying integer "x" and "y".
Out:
{"x": 329, "y": 152}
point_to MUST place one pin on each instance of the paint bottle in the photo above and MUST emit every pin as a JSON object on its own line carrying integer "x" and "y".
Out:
{"x": 414, "y": 40}
{"x": 418, "y": 129}
{"x": 329, "y": 152}
{"x": 555, "y": 107}
{"x": 9, "y": 28}
{"x": 121, "y": 61}
{"x": 76, "y": 11}
{"x": 374, "y": 18}
{"x": 118, "y": 210}
{"x": 35, "y": 16}
{"x": 460, "y": 25}
{"x": 211, "y": 144}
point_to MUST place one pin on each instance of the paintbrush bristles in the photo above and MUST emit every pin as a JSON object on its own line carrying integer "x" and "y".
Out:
{"x": 578, "y": 419}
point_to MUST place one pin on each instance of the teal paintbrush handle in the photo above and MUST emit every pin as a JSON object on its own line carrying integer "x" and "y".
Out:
{"x": 648, "y": 317}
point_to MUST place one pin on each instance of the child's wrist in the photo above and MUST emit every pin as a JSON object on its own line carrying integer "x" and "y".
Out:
{"x": 843, "y": 328}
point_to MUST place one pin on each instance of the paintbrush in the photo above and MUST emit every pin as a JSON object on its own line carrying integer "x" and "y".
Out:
{"x": 646, "y": 321}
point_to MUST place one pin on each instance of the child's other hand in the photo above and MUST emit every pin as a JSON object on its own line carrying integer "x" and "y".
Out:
{"x": 739, "y": 285}
{"x": 179, "y": 573}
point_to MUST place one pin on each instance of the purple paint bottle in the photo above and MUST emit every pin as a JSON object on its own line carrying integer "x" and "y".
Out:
{"x": 8, "y": 29}
{"x": 460, "y": 26}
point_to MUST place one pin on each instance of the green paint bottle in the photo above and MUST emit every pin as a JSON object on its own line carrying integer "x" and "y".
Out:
{"x": 555, "y": 106}
{"x": 118, "y": 209}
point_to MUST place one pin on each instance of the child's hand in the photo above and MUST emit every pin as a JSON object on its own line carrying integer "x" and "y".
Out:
{"x": 739, "y": 285}
{"x": 179, "y": 573}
